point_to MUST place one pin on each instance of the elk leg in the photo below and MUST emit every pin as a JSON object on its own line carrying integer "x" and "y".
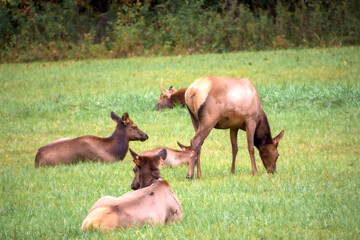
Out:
{"x": 199, "y": 175}
{"x": 233, "y": 138}
{"x": 197, "y": 163}
{"x": 190, "y": 173}
{"x": 250, "y": 131}
{"x": 196, "y": 158}
{"x": 193, "y": 120}
{"x": 196, "y": 143}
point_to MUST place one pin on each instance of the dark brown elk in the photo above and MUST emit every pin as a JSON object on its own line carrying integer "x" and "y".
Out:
{"x": 230, "y": 103}
{"x": 169, "y": 98}
{"x": 154, "y": 203}
{"x": 174, "y": 157}
{"x": 92, "y": 148}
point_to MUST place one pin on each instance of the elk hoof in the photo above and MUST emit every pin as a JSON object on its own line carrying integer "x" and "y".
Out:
{"x": 188, "y": 177}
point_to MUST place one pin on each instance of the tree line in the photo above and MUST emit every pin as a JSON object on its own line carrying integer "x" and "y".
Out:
{"x": 33, "y": 30}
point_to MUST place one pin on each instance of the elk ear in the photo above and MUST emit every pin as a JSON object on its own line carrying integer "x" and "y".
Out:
{"x": 125, "y": 118}
{"x": 162, "y": 155}
{"x": 161, "y": 161}
{"x": 182, "y": 146}
{"x": 114, "y": 116}
{"x": 171, "y": 89}
{"x": 136, "y": 158}
{"x": 278, "y": 138}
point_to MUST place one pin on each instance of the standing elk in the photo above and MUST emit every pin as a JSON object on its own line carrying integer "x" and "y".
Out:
{"x": 230, "y": 103}
{"x": 174, "y": 157}
{"x": 170, "y": 97}
{"x": 115, "y": 147}
{"x": 153, "y": 203}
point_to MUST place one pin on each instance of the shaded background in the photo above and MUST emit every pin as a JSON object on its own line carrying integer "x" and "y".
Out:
{"x": 33, "y": 30}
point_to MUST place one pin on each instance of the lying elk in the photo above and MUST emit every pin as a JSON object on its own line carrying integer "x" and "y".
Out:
{"x": 153, "y": 203}
{"x": 230, "y": 103}
{"x": 174, "y": 157}
{"x": 170, "y": 97}
{"x": 115, "y": 147}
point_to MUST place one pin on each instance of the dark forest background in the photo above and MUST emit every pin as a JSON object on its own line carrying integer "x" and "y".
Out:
{"x": 36, "y": 30}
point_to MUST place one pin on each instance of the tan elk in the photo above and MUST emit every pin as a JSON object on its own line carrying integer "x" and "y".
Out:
{"x": 170, "y": 97}
{"x": 154, "y": 203}
{"x": 230, "y": 103}
{"x": 174, "y": 157}
{"x": 92, "y": 148}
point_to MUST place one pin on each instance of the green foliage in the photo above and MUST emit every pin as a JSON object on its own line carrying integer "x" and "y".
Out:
{"x": 312, "y": 94}
{"x": 56, "y": 30}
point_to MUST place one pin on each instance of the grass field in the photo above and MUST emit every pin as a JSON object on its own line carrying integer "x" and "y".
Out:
{"x": 313, "y": 94}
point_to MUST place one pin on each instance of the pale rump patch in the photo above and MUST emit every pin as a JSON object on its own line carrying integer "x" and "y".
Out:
{"x": 101, "y": 217}
{"x": 197, "y": 93}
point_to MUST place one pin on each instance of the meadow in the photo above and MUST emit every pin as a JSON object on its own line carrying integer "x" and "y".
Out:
{"x": 313, "y": 94}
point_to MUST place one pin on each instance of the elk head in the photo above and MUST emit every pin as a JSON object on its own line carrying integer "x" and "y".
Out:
{"x": 133, "y": 133}
{"x": 146, "y": 169}
{"x": 269, "y": 153}
{"x": 165, "y": 97}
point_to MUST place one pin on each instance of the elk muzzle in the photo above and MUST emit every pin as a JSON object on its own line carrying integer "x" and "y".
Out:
{"x": 135, "y": 185}
{"x": 271, "y": 170}
{"x": 144, "y": 137}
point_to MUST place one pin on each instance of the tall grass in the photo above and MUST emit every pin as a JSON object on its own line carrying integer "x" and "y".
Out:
{"x": 313, "y": 94}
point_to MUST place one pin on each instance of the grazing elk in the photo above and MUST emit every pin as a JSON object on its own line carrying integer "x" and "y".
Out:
{"x": 153, "y": 203}
{"x": 170, "y": 97}
{"x": 115, "y": 147}
{"x": 230, "y": 103}
{"x": 173, "y": 157}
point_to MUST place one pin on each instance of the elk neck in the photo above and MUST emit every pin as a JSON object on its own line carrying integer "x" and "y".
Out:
{"x": 159, "y": 179}
{"x": 149, "y": 177}
{"x": 179, "y": 96}
{"x": 119, "y": 143}
{"x": 262, "y": 134}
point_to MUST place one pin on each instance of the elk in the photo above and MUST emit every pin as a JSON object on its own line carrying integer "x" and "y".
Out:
{"x": 92, "y": 148}
{"x": 174, "y": 157}
{"x": 170, "y": 97}
{"x": 153, "y": 203}
{"x": 230, "y": 103}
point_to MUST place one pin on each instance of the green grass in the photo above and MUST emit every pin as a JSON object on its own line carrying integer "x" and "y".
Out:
{"x": 313, "y": 94}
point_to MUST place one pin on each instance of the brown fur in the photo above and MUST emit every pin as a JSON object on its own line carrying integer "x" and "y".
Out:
{"x": 230, "y": 103}
{"x": 171, "y": 97}
{"x": 69, "y": 151}
{"x": 173, "y": 157}
{"x": 154, "y": 203}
